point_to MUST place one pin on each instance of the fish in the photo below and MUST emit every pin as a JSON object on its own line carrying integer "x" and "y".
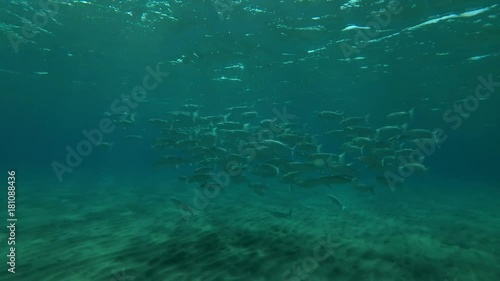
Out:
{"x": 324, "y": 180}
{"x": 157, "y": 121}
{"x": 334, "y": 133}
{"x": 214, "y": 119}
{"x": 249, "y": 115}
{"x": 299, "y": 166}
{"x": 350, "y": 148}
{"x": 330, "y": 115}
{"x": 203, "y": 170}
{"x": 359, "y": 131}
{"x": 362, "y": 141}
{"x": 328, "y": 157}
{"x": 342, "y": 169}
{"x": 419, "y": 143}
{"x": 198, "y": 178}
{"x": 228, "y": 125}
{"x": 401, "y": 117}
{"x": 207, "y": 139}
{"x": 281, "y": 215}
{"x": 386, "y": 181}
{"x": 405, "y": 153}
{"x": 278, "y": 148}
{"x": 305, "y": 148}
{"x": 134, "y": 137}
{"x": 191, "y": 107}
{"x": 183, "y": 118}
{"x": 175, "y": 135}
{"x": 266, "y": 170}
{"x": 355, "y": 121}
{"x": 290, "y": 139}
{"x": 336, "y": 201}
{"x": 381, "y": 153}
{"x": 171, "y": 160}
{"x": 290, "y": 178}
{"x": 259, "y": 188}
{"x": 319, "y": 163}
{"x": 370, "y": 162}
{"x": 238, "y": 109}
{"x": 248, "y": 145}
{"x": 336, "y": 179}
{"x": 106, "y": 145}
{"x": 182, "y": 206}
{"x": 364, "y": 187}
{"x": 415, "y": 167}
{"x": 185, "y": 144}
{"x": 234, "y": 134}
{"x": 115, "y": 114}
{"x": 388, "y": 132}
{"x": 421, "y": 134}
{"x": 125, "y": 122}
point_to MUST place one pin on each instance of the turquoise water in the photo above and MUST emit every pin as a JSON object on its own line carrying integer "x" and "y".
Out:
{"x": 92, "y": 208}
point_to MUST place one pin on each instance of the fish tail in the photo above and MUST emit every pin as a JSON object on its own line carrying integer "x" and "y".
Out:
{"x": 367, "y": 117}
{"x": 342, "y": 158}
{"x": 411, "y": 112}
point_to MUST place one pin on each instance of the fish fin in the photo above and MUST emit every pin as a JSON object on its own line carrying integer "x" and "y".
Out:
{"x": 411, "y": 112}
{"x": 392, "y": 139}
{"x": 342, "y": 158}
{"x": 132, "y": 116}
{"x": 367, "y": 117}
{"x": 435, "y": 138}
{"x": 195, "y": 115}
{"x": 382, "y": 162}
{"x": 226, "y": 116}
{"x": 318, "y": 148}
{"x": 405, "y": 127}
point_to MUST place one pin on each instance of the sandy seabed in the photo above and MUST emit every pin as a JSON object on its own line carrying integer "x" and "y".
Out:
{"x": 119, "y": 233}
